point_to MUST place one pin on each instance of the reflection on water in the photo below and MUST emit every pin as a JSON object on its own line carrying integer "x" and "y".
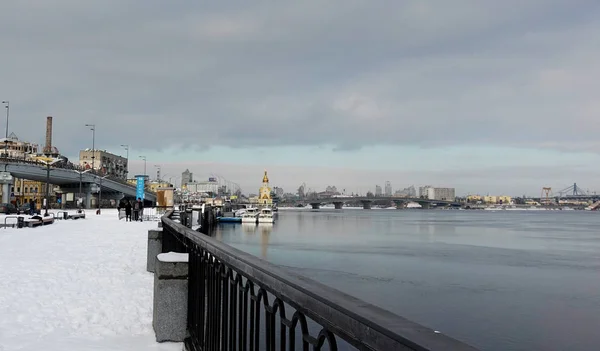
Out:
{"x": 263, "y": 229}
{"x": 249, "y": 228}
{"x": 499, "y": 281}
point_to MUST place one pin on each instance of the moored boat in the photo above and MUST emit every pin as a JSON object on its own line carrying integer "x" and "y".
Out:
{"x": 266, "y": 216}
{"x": 250, "y": 216}
{"x": 229, "y": 219}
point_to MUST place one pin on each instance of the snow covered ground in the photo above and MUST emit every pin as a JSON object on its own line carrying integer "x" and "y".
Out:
{"x": 77, "y": 285}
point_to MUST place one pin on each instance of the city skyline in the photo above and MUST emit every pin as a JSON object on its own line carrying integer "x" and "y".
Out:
{"x": 485, "y": 97}
{"x": 249, "y": 178}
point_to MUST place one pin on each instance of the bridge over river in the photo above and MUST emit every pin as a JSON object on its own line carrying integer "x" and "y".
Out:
{"x": 71, "y": 180}
{"x": 367, "y": 202}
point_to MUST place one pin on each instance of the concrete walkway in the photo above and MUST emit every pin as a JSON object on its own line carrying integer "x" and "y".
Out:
{"x": 77, "y": 285}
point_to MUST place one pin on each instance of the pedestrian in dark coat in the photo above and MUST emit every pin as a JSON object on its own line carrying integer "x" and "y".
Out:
{"x": 141, "y": 207}
{"x": 136, "y": 210}
{"x": 128, "y": 211}
{"x": 31, "y": 207}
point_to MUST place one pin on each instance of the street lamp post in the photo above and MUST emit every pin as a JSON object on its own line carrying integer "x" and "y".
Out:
{"x": 144, "y": 158}
{"x": 93, "y": 129}
{"x": 48, "y": 164}
{"x": 47, "y": 187}
{"x": 127, "y": 162}
{"x": 7, "y": 106}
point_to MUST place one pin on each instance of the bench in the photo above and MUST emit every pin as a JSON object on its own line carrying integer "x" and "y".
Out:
{"x": 37, "y": 221}
{"x": 77, "y": 215}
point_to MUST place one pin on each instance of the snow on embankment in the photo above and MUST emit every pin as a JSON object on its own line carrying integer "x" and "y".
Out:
{"x": 77, "y": 285}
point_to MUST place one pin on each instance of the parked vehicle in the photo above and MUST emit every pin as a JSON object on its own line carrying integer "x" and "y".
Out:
{"x": 24, "y": 209}
{"x": 8, "y": 208}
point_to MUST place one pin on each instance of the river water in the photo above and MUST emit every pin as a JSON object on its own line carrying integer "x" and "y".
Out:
{"x": 506, "y": 280}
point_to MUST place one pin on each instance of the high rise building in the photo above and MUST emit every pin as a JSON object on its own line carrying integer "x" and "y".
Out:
{"x": 431, "y": 193}
{"x": 388, "y": 188}
{"x": 406, "y": 192}
{"x": 378, "y": 190}
{"x": 103, "y": 161}
{"x": 186, "y": 178}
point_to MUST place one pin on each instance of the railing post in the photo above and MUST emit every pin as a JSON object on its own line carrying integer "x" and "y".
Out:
{"x": 189, "y": 217}
{"x": 169, "y": 318}
{"x": 155, "y": 238}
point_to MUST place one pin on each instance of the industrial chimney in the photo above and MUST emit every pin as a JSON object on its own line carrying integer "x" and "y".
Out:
{"x": 48, "y": 147}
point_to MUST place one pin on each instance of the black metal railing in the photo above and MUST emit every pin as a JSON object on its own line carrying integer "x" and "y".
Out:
{"x": 239, "y": 302}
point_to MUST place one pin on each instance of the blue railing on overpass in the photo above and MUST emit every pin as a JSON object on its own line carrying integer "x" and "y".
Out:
{"x": 237, "y": 301}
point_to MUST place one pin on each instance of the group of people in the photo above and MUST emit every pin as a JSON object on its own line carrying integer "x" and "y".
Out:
{"x": 136, "y": 209}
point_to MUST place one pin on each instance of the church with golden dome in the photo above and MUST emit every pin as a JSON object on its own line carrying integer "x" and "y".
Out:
{"x": 264, "y": 193}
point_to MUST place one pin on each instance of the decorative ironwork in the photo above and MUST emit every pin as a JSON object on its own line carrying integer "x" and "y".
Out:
{"x": 239, "y": 302}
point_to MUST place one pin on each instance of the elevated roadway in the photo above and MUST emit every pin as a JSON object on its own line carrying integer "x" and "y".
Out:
{"x": 68, "y": 178}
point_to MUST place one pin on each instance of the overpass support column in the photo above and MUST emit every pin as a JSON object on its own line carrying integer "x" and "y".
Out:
{"x": 6, "y": 180}
{"x": 316, "y": 205}
{"x": 88, "y": 197}
{"x": 338, "y": 205}
{"x": 366, "y": 205}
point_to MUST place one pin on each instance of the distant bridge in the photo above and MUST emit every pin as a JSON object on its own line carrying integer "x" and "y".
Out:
{"x": 338, "y": 202}
{"x": 68, "y": 179}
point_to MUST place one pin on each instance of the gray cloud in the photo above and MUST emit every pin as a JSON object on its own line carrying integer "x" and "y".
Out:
{"x": 350, "y": 73}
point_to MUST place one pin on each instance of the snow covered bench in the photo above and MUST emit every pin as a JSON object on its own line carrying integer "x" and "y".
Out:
{"x": 77, "y": 215}
{"x": 37, "y": 221}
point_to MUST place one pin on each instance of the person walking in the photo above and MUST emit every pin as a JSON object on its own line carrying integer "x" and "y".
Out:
{"x": 121, "y": 210}
{"x": 128, "y": 211}
{"x": 136, "y": 210}
{"x": 141, "y": 207}
{"x": 31, "y": 207}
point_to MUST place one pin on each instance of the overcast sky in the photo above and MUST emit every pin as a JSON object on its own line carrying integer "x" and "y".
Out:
{"x": 486, "y": 96}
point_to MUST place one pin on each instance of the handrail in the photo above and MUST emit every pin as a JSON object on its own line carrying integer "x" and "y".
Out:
{"x": 359, "y": 323}
{"x": 9, "y": 216}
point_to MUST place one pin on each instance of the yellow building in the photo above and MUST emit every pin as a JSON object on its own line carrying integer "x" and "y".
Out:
{"x": 153, "y": 186}
{"x": 24, "y": 190}
{"x": 502, "y": 199}
{"x": 490, "y": 199}
{"x": 474, "y": 198}
{"x": 264, "y": 193}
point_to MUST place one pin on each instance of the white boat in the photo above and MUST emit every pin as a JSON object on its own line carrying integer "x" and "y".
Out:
{"x": 413, "y": 205}
{"x": 266, "y": 216}
{"x": 250, "y": 216}
{"x": 593, "y": 206}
